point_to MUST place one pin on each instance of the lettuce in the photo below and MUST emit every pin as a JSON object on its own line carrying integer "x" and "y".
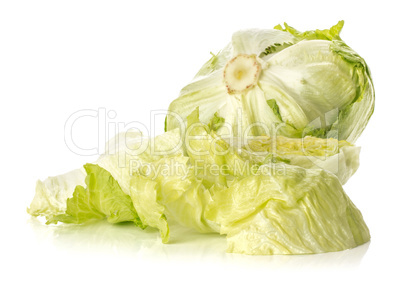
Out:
{"x": 144, "y": 195}
{"x": 51, "y": 194}
{"x": 287, "y": 210}
{"x": 102, "y": 198}
{"x": 338, "y": 157}
{"x": 254, "y": 192}
{"x": 260, "y": 155}
{"x": 282, "y": 82}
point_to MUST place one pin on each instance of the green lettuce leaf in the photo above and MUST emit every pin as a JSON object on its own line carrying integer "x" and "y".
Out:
{"x": 338, "y": 157}
{"x": 325, "y": 34}
{"x": 204, "y": 151}
{"x": 274, "y": 106}
{"x": 267, "y": 194}
{"x": 144, "y": 194}
{"x": 185, "y": 198}
{"x": 168, "y": 180}
{"x": 287, "y": 210}
{"x": 102, "y": 198}
{"x": 51, "y": 194}
{"x": 352, "y": 117}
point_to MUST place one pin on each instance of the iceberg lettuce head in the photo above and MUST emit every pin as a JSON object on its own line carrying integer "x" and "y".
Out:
{"x": 282, "y": 82}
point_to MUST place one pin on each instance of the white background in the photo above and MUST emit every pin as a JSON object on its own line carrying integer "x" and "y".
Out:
{"x": 59, "y": 57}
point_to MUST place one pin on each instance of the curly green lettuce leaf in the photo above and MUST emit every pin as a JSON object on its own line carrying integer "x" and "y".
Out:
{"x": 325, "y": 34}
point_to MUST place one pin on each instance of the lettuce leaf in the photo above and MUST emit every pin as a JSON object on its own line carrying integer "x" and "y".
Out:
{"x": 338, "y": 157}
{"x": 102, "y": 198}
{"x": 144, "y": 194}
{"x": 325, "y": 34}
{"x": 52, "y": 193}
{"x": 251, "y": 192}
{"x": 287, "y": 210}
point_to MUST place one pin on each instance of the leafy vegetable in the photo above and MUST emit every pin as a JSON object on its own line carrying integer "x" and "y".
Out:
{"x": 144, "y": 194}
{"x": 326, "y": 34}
{"x": 210, "y": 186}
{"x": 102, "y": 198}
{"x": 338, "y": 157}
{"x": 261, "y": 154}
{"x": 282, "y": 82}
{"x": 63, "y": 198}
{"x": 287, "y": 210}
{"x": 51, "y": 194}
{"x": 275, "y": 108}
{"x": 216, "y": 122}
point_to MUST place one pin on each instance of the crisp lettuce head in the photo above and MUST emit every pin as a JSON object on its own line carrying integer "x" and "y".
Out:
{"x": 286, "y": 82}
{"x": 256, "y": 148}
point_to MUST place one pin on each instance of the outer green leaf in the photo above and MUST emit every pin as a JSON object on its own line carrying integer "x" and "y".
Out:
{"x": 287, "y": 210}
{"x": 185, "y": 198}
{"x": 338, "y": 157}
{"x": 102, "y": 198}
{"x": 325, "y": 34}
{"x": 353, "y": 119}
{"x": 52, "y": 194}
{"x": 143, "y": 192}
